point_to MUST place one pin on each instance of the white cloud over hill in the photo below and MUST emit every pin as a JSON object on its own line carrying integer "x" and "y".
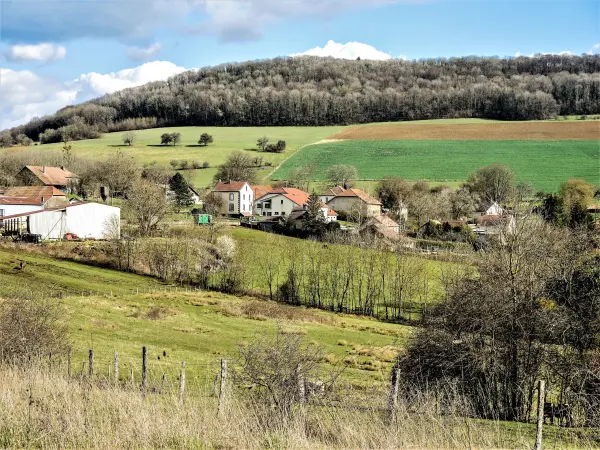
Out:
{"x": 24, "y": 94}
{"x": 350, "y": 50}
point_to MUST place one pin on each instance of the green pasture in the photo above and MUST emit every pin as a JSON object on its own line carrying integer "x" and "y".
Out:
{"x": 543, "y": 164}
{"x": 147, "y": 148}
{"x": 53, "y": 277}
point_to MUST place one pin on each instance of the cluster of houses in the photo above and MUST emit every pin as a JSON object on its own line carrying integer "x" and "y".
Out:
{"x": 271, "y": 205}
{"x": 41, "y": 206}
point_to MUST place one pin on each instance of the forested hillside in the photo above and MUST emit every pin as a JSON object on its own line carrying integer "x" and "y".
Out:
{"x": 325, "y": 91}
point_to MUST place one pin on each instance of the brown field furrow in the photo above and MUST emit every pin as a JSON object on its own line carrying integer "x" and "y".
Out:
{"x": 519, "y": 131}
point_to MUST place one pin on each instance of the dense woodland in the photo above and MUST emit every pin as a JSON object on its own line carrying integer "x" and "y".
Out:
{"x": 326, "y": 91}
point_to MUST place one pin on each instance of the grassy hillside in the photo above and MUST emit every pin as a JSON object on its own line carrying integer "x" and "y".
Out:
{"x": 147, "y": 149}
{"x": 51, "y": 277}
{"x": 544, "y": 164}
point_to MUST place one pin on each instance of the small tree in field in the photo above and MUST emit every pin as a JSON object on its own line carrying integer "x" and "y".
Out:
{"x": 184, "y": 164}
{"x": 174, "y": 163}
{"x": 147, "y": 205}
{"x": 205, "y": 139}
{"x": 342, "y": 175}
{"x": 175, "y": 138}
{"x": 262, "y": 143}
{"x": 181, "y": 191}
{"x": 166, "y": 139}
{"x": 129, "y": 138}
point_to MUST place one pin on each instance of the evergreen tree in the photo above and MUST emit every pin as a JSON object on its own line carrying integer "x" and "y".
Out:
{"x": 181, "y": 191}
{"x": 314, "y": 221}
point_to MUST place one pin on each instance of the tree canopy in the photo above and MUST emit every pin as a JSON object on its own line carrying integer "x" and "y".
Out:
{"x": 327, "y": 91}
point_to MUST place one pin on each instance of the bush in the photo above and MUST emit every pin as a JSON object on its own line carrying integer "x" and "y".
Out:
{"x": 205, "y": 165}
{"x": 31, "y": 328}
{"x": 196, "y": 165}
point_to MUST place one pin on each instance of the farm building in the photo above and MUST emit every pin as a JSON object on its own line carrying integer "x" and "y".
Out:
{"x": 86, "y": 220}
{"x": 238, "y": 198}
{"x": 50, "y": 196}
{"x": 19, "y": 205}
{"x": 356, "y": 202}
{"x": 58, "y": 177}
{"x": 382, "y": 226}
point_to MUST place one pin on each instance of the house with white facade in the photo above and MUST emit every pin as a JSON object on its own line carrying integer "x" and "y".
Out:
{"x": 238, "y": 198}
{"x": 280, "y": 202}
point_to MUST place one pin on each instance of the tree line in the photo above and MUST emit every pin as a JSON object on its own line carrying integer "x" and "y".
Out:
{"x": 326, "y": 91}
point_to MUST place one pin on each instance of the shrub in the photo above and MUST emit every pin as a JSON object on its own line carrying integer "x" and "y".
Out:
{"x": 205, "y": 165}
{"x": 31, "y": 328}
{"x": 196, "y": 165}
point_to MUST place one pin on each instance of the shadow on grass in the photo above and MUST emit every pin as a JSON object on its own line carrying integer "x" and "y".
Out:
{"x": 197, "y": 145}
{"x": 160, "y": 145}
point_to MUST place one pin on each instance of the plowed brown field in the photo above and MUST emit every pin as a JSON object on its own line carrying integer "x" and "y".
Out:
{"x": 521, "y": 131}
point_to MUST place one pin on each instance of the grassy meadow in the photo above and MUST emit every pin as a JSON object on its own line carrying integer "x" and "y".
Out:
{"x": 147, "y": 148}
{"x": 543, "y": 164}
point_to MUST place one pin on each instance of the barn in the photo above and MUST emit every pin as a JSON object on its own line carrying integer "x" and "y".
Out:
{"x": 86, "y": 220}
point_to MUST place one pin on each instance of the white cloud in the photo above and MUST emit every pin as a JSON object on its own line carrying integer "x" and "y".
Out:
{"x": 143, "y": 53}
{"x": 41, "y": 52}
{"x": 595, "y": 50}
{"x": 350, "y": 50}
{"x": 24, "y": 94}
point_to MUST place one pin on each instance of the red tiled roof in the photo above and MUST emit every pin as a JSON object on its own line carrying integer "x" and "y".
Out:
{"x": 234, "y": 186}
{"x": 259, "y": 191}
{"x": 33, "y": 191}
{"x": 491, "y": 220}
{"x": 360, "y": 194}
{"x": 51, "y": 176}
{"x": 297, "y": 196}
{"x": 331, "y": 212}
{"x": 336, "y": 190}
{"x": 20, "y": 201}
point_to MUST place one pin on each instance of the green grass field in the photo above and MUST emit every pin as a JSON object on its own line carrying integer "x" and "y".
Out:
{"x": 226, "y": 140}
{"x": 196, "y": 327}
{"x": 543, "y": 164}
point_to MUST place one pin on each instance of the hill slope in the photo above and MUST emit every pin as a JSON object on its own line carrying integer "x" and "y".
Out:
{"x": 325, "y": 91}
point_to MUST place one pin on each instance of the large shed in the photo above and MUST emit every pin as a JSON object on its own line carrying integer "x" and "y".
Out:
{"x": 86, "y": 220}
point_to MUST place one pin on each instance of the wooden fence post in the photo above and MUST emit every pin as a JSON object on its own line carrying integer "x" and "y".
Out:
{"x": 540, "y": 415}
{"x": 301, "y": 386}
{"x": 116, "y": 367}
{"x": 91, "y": 363}
{"x": 70, "y": 361}
{"x": 223, "y": 387}
{"x": 182, "y": 381}
{"x": 393, "y": 397}
{"x": 131, "y": 377}
{"x": 144, "y": 367}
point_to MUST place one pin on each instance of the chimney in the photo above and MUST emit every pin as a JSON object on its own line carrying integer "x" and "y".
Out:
{"x": 43, "y": 169}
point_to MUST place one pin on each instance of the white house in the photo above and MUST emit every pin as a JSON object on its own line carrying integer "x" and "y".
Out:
{"x": 238, "y": 197}
{"x": 86, "y": 220}
{"x": 280, "y": 202}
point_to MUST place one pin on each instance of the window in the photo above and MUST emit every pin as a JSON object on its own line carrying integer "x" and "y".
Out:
{"x": 282, "y": 201}
{"x": 231, "y": 207}
{"x": 231, "y": 197}
{"x": 283, "y": 213}
{"x": 269, "y": 213}
{"x": 243, "y": 196}
{"x": 276, "y": 213}
{"x": 1, "y": 212}
{"x": 259, "y": 206}
{"x": 264, "y": 213}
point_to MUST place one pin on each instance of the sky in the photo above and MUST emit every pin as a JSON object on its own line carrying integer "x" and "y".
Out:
{"x": 59, "y": 52}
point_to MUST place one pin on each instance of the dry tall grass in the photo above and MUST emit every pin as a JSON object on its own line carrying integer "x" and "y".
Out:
{"x": 47, "y": 410}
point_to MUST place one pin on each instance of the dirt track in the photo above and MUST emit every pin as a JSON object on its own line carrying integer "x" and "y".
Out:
{"x": 568, "y": 131}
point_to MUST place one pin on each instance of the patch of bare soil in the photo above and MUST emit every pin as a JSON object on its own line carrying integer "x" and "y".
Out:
{"x": 517, "y": 131}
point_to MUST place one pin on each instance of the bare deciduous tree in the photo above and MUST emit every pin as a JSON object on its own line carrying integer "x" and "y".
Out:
{"x": 147, "y": 205}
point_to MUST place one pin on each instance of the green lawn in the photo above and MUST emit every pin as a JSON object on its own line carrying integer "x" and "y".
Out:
{"x": 543, "y": 164}
{"x": 147, "y": 149}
